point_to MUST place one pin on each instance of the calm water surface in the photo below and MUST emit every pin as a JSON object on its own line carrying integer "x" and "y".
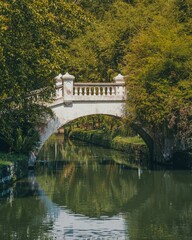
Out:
{"x": 86, "y": 192}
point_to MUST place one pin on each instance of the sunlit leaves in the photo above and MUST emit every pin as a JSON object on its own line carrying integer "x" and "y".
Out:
{"x": 33, "y": 45}
{"x": 33, "y": 37}
{"x": 96, "y": 55}
{"x": 158, "y": 64}
{"x": 148, "y": 41}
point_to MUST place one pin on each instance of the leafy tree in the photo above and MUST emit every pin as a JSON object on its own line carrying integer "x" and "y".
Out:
{"x": 159, "y": 82}
{"x": 34, "y": 37}
{"x": 97, "y": 8}
{"x": 96, "y": 55}
{"x": 150, "y": 41}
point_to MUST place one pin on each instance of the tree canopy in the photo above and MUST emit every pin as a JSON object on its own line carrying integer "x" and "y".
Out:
{"x": 159, "y": 67}
{"x": 34, "y": 37}
{"x": 150, "y": 42}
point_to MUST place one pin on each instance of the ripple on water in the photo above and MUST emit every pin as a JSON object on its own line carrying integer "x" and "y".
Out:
{"x": 73, "y": 227}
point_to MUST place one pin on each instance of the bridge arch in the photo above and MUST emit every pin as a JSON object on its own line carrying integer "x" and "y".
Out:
{"x": 75, "y": 100}
{"x": 67, "y": 113}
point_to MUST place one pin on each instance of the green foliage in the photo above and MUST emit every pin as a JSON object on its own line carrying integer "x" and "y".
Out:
{"x": 33, "y": 40}
{"x": 132, "y": 140}
{"x": 4, "y": 163}
{"x": 35, "y": 35}
{"x": 7, "y": 159}
{"x": 111, "y": 125}
{"x": 12, "y": 157}
{"x": 158, "y": 64}
{"x": 20, "y": 125}
{"x": 98, "y": 8}
{"x": 148, "y": 41}
{"x": 91, "y": 136}
{"x": 96, "y": 55}
{"x": 132, "y": 145}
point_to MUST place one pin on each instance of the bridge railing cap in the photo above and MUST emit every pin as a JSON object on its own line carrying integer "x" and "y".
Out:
{"x": 119, "y": 78}
{"x": 67, "y": 76}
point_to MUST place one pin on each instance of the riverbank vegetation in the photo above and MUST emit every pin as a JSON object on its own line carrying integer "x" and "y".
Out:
{"x": 147, "y": 41}
{"x": 9, "y": 158}
{"x": 132, "y": 145}
{"x": 107, "y": 131}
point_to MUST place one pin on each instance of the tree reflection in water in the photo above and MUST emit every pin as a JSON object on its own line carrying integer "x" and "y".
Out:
{"x": 88, "y": 195}
{"x": 56, "y": 148}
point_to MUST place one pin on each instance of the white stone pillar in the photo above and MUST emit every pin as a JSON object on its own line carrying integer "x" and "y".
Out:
{"x": 68, "y": 87}
{"x": 120, "y": 90}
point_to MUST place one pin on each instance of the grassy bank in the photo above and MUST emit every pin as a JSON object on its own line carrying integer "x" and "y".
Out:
{"x": 12, "y": 167}
{"x": 9, "y": 158}
{"x": 130, "y": 145}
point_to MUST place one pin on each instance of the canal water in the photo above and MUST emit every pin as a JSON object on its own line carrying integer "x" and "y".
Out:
{"x": 87, "y": 192}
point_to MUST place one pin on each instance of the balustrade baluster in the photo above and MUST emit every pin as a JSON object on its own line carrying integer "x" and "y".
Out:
{"x": 113, "y": 90}
{"x": 80, "y": 91}
{"x": 93, "y": 90}
{"x": 104, "y": 90}
{"x": 99, "y": 91}
{"x": 108, "y": 90}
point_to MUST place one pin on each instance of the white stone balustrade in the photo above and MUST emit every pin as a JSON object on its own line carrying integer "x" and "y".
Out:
{"x": 69, "y": 91}
{"x": 75, "y": 100}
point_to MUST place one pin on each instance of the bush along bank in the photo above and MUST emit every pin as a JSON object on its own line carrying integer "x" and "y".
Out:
{"x": 12, "y": 168}
{"x": 131, "y": 145}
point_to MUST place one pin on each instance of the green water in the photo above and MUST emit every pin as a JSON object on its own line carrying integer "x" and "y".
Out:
{"x": 86, "y": 192}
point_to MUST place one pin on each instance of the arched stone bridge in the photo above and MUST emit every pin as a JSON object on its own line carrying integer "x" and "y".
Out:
{"x": 74, "y": 100}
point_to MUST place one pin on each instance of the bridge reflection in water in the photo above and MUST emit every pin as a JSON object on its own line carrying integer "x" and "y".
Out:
{"x": 90, "y": 198}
